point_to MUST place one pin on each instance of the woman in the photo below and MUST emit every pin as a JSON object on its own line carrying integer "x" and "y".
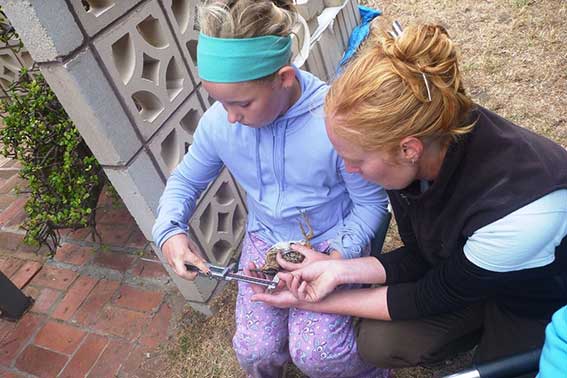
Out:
{"x": 480, "y": 204}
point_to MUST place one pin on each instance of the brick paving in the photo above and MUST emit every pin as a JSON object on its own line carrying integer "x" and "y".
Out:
{"x": 102, "y": 309}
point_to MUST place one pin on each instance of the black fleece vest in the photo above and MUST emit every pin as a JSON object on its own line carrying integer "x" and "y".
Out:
{"x": 491, "y": 172}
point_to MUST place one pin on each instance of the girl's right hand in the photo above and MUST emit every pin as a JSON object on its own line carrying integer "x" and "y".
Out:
{"x": 178, "y": 250}
{"x": 315, "y": 281}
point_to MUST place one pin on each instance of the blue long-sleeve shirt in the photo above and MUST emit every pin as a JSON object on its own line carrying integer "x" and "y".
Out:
{"x": 553, "y": 361}
{"x": 286, "y": 167}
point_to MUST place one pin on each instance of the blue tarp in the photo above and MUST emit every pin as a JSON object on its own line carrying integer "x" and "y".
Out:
{"x": 359, "y": 33}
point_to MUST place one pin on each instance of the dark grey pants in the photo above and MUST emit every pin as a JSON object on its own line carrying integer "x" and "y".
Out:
{"x": 498, "y": 333}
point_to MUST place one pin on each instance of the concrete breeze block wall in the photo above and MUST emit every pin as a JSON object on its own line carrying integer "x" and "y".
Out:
{"x": 125, "y": 71}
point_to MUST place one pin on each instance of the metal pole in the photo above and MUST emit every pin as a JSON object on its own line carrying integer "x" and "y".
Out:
{"x": 507, "y": 367}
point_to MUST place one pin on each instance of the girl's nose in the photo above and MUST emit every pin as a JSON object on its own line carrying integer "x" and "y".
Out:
{"x": 234, "y": 117}
{"x": 351, "y": 168}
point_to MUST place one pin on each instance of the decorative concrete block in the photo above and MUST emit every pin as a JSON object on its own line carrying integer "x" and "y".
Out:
{"x": 309, "y": 9}
{"x": 197, "y": 292}
{"x": 25, "y": 58}
{"x": 9, "y": 68}
{"x": 172, "y": 141}
{"x": 206, "y": 100}
{"x": 351, "y": 14}
{"x": 333, "y": 3}
{"x": 184, "y": 17}
{"x": 87, "y": 96}
{"x": 329, "y": 41}
{"x": 94, "y": 15}
{"x": 219, "y": 221}
{"x": 11, "y": 42}
{"x": 140, "y": 186}
{"x": 143, "y": 60}
{"x": 38, "y": 22}
{"x": 331, "y": 49}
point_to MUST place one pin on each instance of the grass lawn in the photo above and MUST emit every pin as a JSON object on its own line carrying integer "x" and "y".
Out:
{"x": 514, "y": 58}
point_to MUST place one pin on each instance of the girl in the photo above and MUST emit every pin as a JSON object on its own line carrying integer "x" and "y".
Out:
{"x": 266, "y": 127}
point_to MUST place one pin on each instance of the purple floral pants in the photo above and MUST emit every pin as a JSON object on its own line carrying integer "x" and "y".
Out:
{"x": 321, "y": 345}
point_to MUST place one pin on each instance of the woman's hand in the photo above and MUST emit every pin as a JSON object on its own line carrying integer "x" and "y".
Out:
{"x": 315, "y": 281}
{"x": 178, "y": 250}
{"x": 309, "y": 284}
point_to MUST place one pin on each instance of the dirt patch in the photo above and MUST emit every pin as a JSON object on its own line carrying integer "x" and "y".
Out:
{"x": 514, "y": 59}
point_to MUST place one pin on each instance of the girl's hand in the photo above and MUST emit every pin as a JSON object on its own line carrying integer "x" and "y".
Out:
{"x": 251, "y": 270}
{"x": 178, "y": 250}
{"x": 310, "y": 256}
{"x": 281, "y": 297}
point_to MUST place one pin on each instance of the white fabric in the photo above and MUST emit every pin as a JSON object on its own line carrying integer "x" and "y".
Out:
{"x": 524, "y": 239}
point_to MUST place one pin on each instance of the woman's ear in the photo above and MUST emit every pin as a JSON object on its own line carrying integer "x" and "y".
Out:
{"x": 286, "y": 76}
{"x": 411, "y": 149}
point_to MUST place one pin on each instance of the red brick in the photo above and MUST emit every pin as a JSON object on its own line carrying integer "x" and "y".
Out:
{"x": 47, "y": 297}
{"x": 6, "y": 200}
{"x": 17, "y": 219}
{"x": 11, "y": 183}
{"x": 9, "y": 265}
{"x": 80, "y": 234}
{"x": 55, "y": 278}
{"x": 85, "y": 357}
{"x": 8, "y": 374}
{"x": 9, "y": 240}
{"x": 73, "y": 254}
{"x": 117, "y": 261}
{"x": 40, "y": 362}
{"x": 115, "y": 234}
{"x": 12, "y": 210}
{"x": 144, "y": 362}
{"x": 119, "y": 216}
{"x": 74, "y": 298}
{"x": 59, "y": 337}
{"x": 26, "y": 273}
{"x": 148, "y": 269}
{"x": 137, "y": 239}
{"x": 89, "y": 310}
{"x": 138, "y": 299}
{"x": 31, "y": 291}
{"x": 64, "y": 232}
{"x": 111, "y": 359}
{"x": 121, "y": 322}
{"x": 157, "y": 330}
{"x": 15, "y": 335}
{"x": 25, "y": 248}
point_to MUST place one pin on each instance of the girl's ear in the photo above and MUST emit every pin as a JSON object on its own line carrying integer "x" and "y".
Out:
{"x": 286, "y": 76}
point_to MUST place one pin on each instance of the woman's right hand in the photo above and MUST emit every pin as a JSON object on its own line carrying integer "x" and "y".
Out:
{"x": 178, "y": 250}
{"x": 315, "y": 281}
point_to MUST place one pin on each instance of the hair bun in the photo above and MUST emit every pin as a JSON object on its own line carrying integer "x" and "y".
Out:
{"x": 421, "y": 47}
{"x": 285, "y": 4}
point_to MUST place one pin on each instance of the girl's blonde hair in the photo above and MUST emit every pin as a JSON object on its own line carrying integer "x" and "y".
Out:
{"x": 247, "y": 18}
{"x": 382, "y": 96}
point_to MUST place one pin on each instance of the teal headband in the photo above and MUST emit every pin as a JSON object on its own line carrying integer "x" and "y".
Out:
{"x": 232, "y": 60}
